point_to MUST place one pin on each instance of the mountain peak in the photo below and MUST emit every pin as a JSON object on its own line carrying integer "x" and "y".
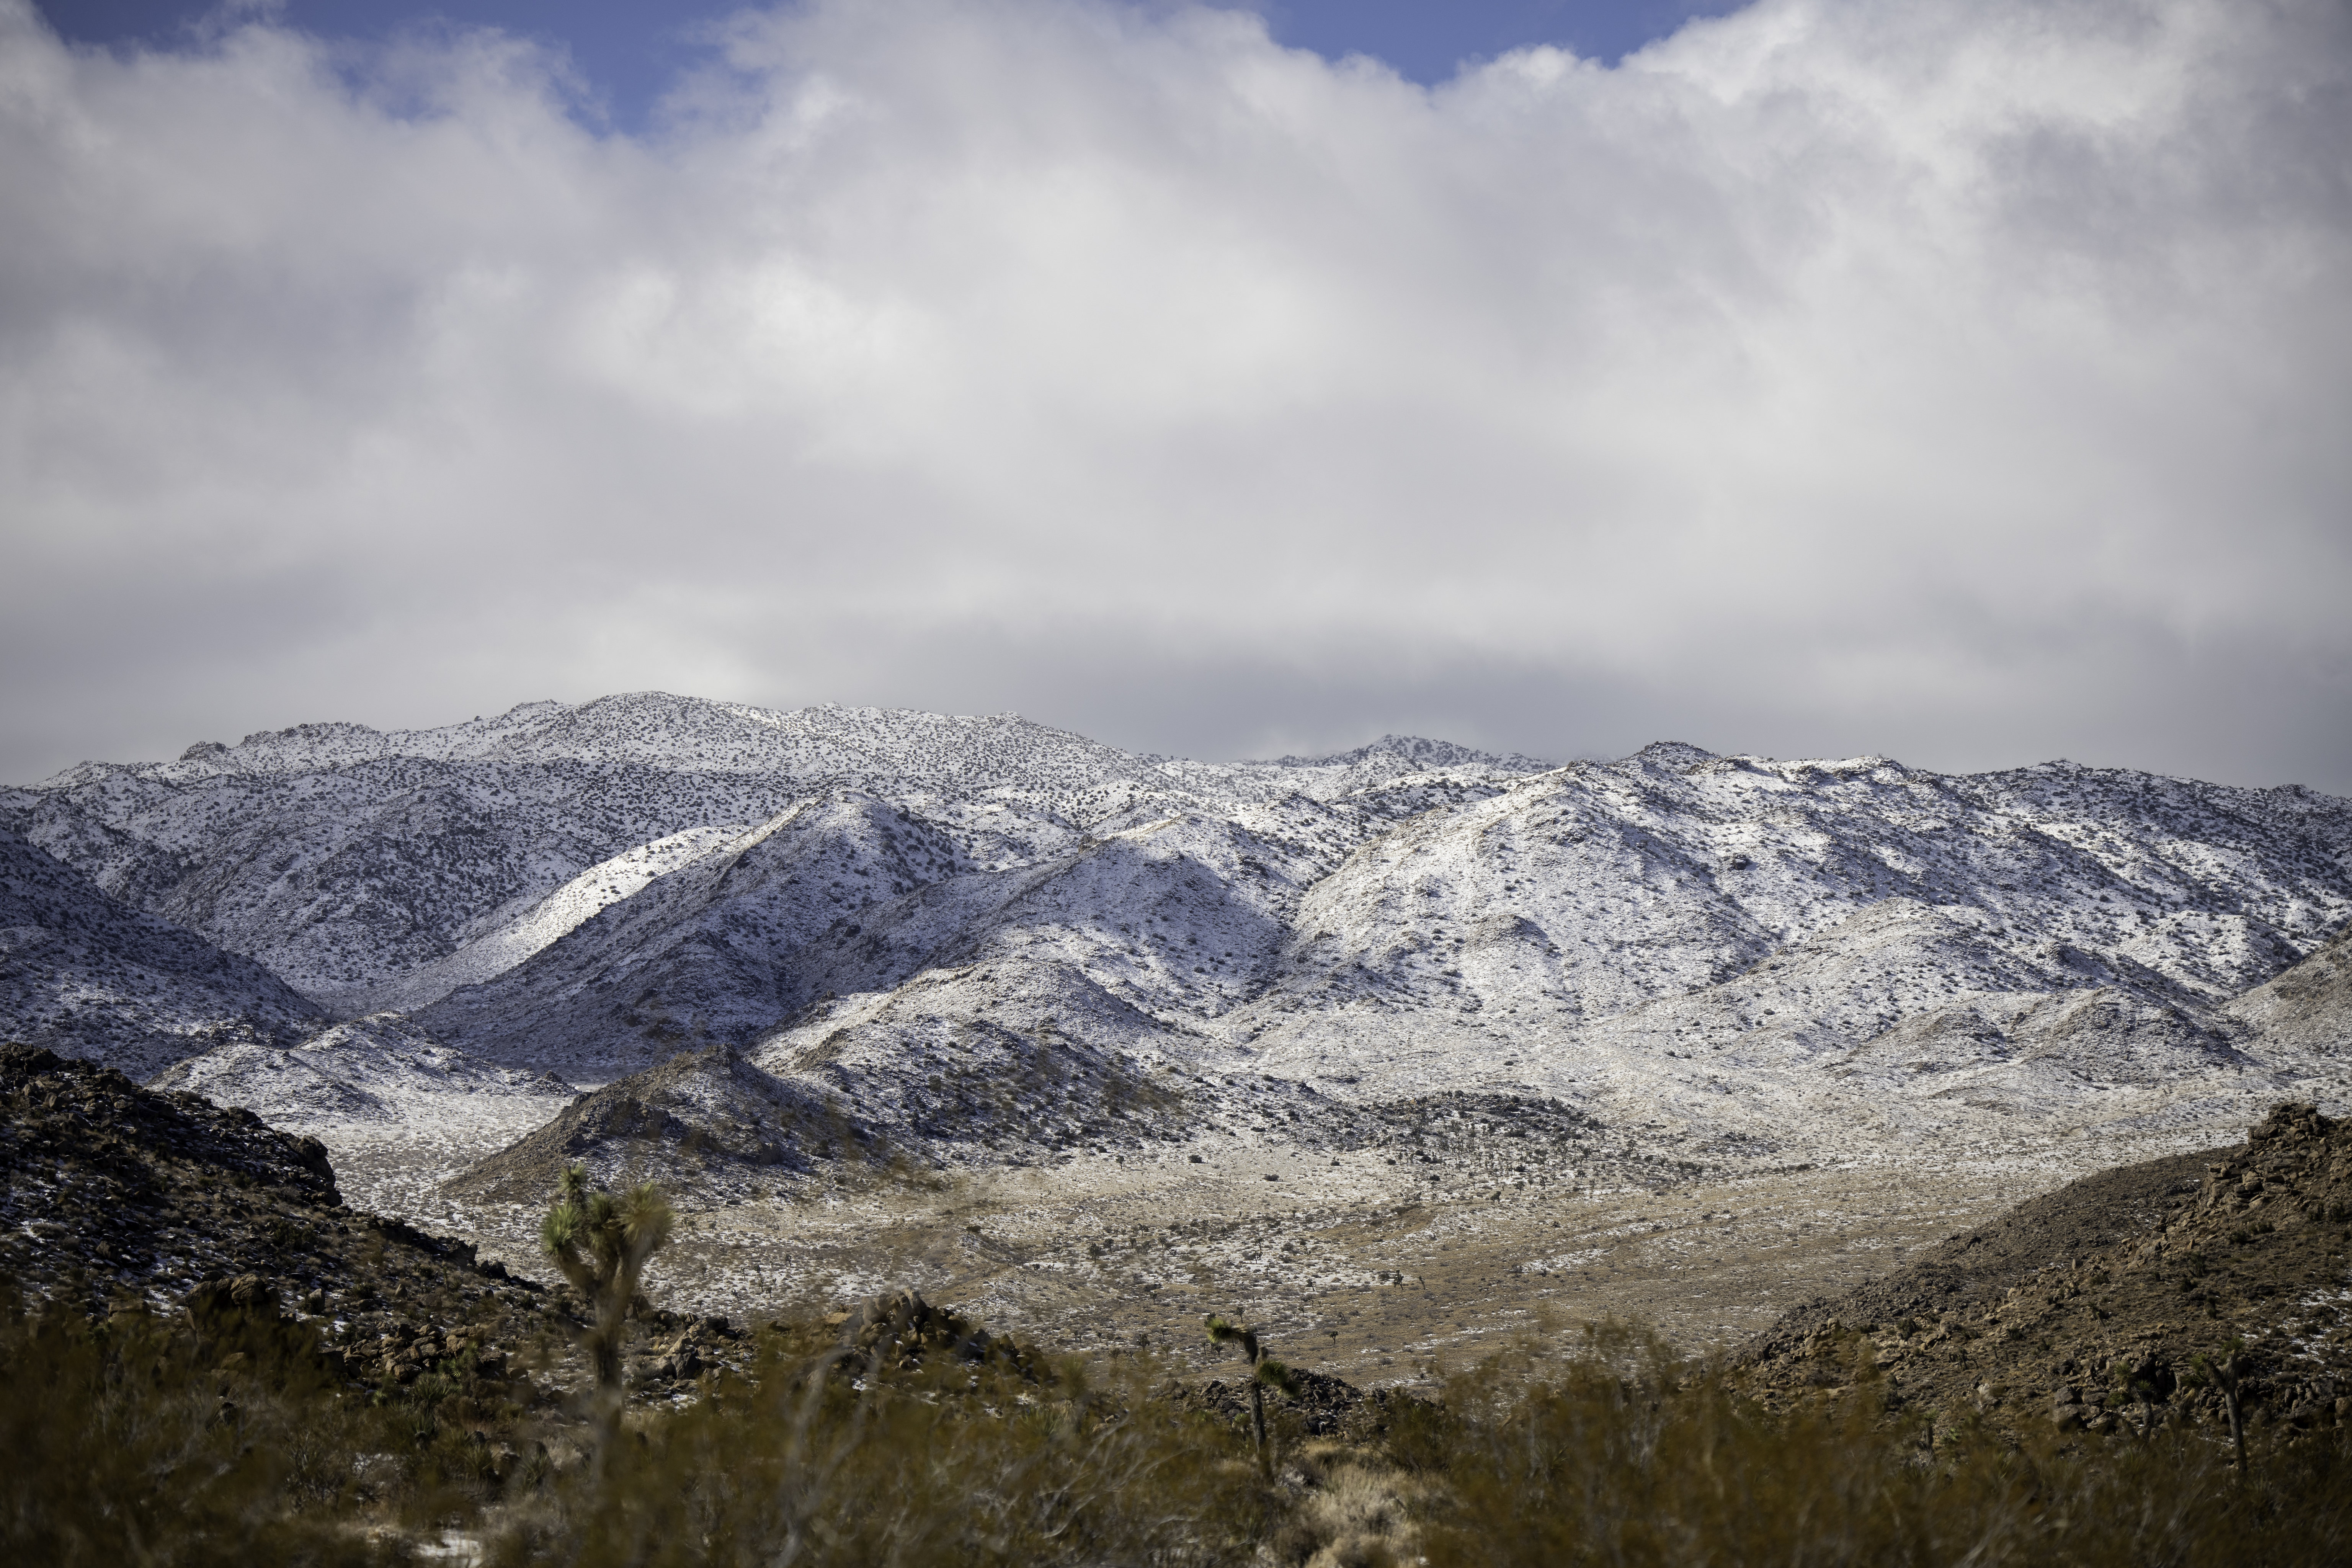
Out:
{"x": 1418, "y": 751}
{"x": 1671, "y": 754}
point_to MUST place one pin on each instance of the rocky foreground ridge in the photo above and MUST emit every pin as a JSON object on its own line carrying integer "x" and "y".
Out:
{"x": 2098, "y": 1306}
{"x": 124, "y": 1200}
{"x": 120, "y": 1197}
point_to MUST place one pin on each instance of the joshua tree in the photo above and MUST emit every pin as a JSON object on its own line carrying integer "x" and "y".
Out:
{"x": 2223, "y": 1371}
{"x": 601, "y": 1243}
{"x": 2140, "y": 1385}
{"x": 1265, "y": 1373}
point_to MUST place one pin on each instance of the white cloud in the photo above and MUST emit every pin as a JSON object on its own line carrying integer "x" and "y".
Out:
{"x": 1962, "y": 380}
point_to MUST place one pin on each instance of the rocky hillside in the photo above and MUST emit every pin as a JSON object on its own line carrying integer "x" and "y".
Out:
{"x": 83, "y": 973}
{"x": 2308, "y": 1009}
{"x": 2098, "y": 1305}
{"x": 119, "y": 1196}
{"x": 702, "y": 1121}
{"x": 124, "y": 1199}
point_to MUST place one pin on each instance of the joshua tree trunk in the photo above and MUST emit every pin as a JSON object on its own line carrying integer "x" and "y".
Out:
{"x": 2224, "y": 1373}
{"x": 601, "y": 1244}
{"x": 1265, "y": 1373}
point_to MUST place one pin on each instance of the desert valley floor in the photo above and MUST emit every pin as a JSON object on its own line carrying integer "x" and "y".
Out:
{"x": 1347, "y": 1266}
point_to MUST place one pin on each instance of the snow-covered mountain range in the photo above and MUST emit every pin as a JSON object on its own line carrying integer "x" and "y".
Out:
{"x": 927, "y": 922}
{"x": 85, "y": 976}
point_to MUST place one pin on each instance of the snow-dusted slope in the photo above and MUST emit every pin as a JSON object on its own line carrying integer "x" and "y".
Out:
{"x": 369, "y": 869}
{"x": 348, "y": 859}
{"x": 705, "y": 952}
{"x": 398, "y": 1110}
{"x": 1178, "y": 916}
{"x": 1760, "y": 948}
{"x": 513, "y": 939}
{"x": 1718, "y": 938}
{"x": 1723, "y": 942}
{"x": 2304, "y": 1017}
{"x": 1390, "y": 776}
{"x": 381, "y": 1073}
{"x": 85, "y": 976}
{"x": 1608, "y": 885}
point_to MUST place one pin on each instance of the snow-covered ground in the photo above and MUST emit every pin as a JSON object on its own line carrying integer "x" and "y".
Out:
{"x": 991, "y": 942}
{"x": 398, "y": 1110}
{"x": 86, "y": 976}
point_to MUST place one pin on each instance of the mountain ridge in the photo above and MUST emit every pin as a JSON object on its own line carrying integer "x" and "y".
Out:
{"x": 84, "y": 975}
{"x": 1725, "y": 945}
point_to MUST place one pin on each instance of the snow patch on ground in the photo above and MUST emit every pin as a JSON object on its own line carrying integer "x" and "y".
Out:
{"x": 397, "y": 1108}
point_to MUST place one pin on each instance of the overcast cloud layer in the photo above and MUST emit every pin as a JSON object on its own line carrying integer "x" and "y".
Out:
{"x": 1966, "y": 382}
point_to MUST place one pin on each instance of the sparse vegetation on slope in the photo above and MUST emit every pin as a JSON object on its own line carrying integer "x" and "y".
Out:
{"x": 1632, "y": 1455}
{"x": 93, "y": 977}
{"x": 129, "y": 1440}
{"x": 2194, "y": 1289}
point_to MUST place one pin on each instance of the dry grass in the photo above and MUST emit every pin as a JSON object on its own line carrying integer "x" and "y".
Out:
{"x": 129, "y": 1443}
{"x": 1632, "y": 1456}
{"x": 954, "y": 1463}
{"x": 118, "y": 1444}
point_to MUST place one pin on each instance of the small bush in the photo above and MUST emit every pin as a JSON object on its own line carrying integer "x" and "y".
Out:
{"x": 121, "y": 1443}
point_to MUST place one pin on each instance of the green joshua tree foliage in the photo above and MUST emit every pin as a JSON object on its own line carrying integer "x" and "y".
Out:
{"x": 601, "y": 1243}
{"x": 1265, "y": 1373}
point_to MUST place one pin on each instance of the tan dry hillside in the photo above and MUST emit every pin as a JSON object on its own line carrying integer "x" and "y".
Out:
{"x": 2091, "y": 1307}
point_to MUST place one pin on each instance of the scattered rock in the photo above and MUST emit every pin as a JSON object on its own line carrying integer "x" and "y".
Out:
{"x": 2110, "y": 1292}
{"x": 162, "y": 1203}
{"x": 900, "y": 1330}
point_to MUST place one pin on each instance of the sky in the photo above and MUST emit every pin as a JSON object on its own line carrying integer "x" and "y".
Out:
{"x": 623, "y": 57}
{"x": 1961, "y": 382}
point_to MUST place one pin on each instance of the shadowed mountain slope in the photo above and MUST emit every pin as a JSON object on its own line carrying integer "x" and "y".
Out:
{"x": 1795, "y": 953}
{"x": 2305, "y": 1012}
{"x": 704, "y": 1120}
{"x": 90, "y": 977}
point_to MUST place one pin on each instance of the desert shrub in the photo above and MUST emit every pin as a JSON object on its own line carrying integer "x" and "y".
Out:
{"x": 124, "y": 1442}
{"x": 1630, "y": 1455}
{"x": 191, "y": 1438}
{"x": 948, "y": 1463}
{"x": 142, "y": 1440}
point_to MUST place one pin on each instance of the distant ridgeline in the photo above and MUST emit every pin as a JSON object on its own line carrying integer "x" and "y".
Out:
{"x": 983, "y": 937}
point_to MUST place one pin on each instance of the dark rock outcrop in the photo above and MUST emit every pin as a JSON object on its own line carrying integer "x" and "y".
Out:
{"x": 899, "y": 1330}
{"x": 701, "y": 1120}
{"x": 119, "y": 1199}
